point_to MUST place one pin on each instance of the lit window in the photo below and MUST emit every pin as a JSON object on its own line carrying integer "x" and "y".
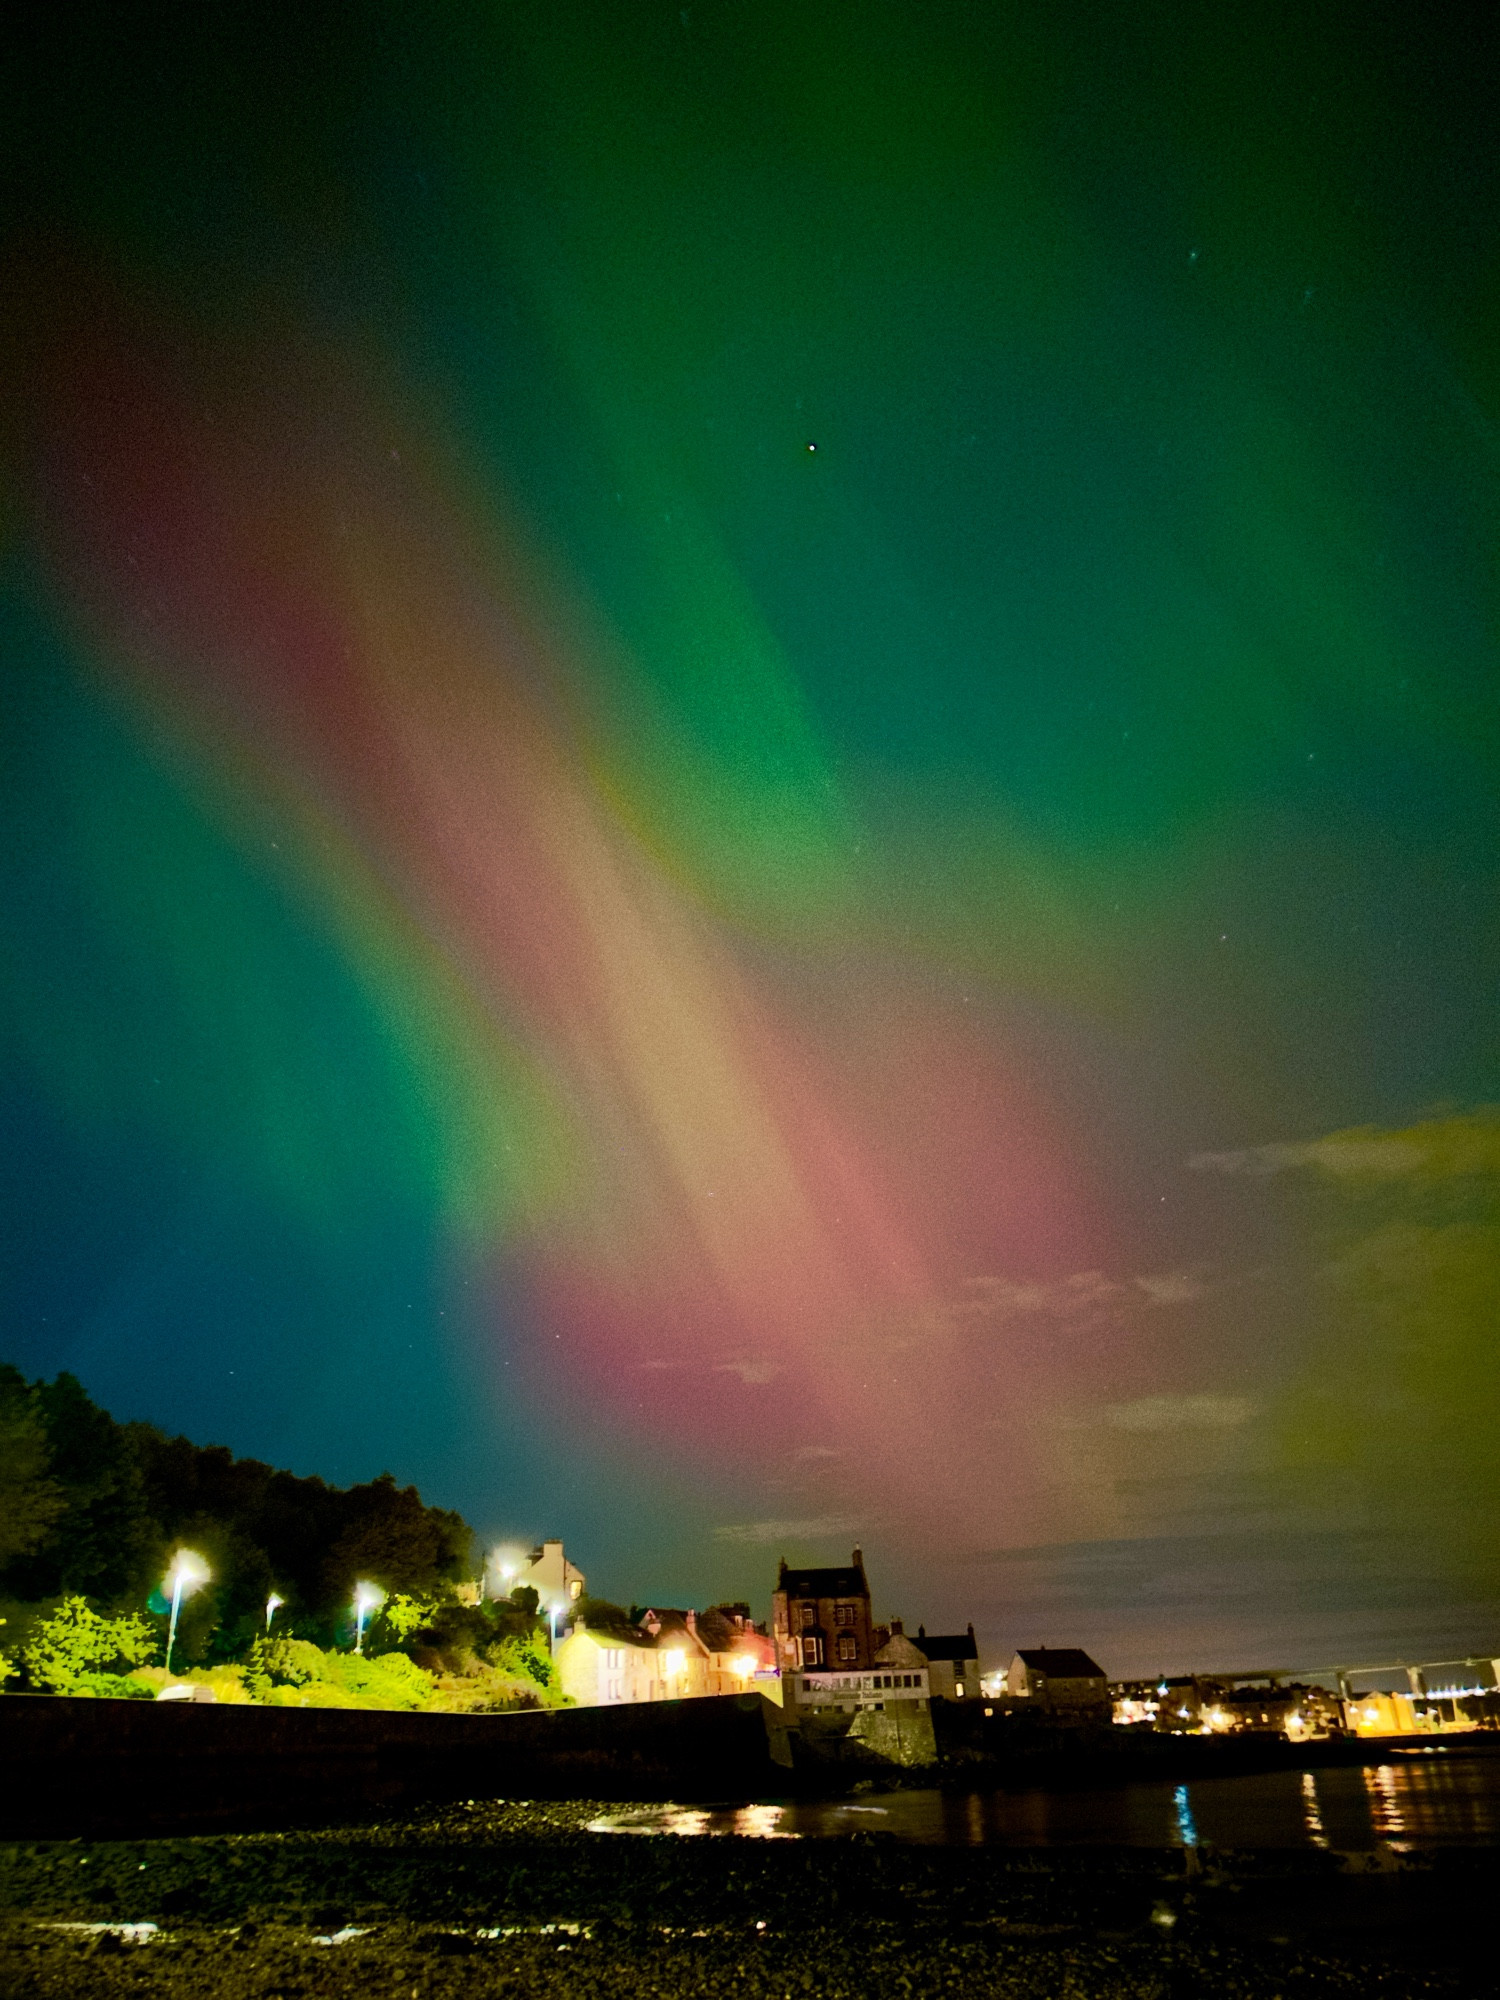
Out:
{"x": 958, "y": 1689}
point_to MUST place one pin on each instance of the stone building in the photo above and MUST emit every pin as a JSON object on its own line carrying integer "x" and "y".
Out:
{"x": 952, "y": 1663}
{"x": 1061, "y": 1678}
{"x": 820, "y": 1619}
{"x": 670, "y": 1655}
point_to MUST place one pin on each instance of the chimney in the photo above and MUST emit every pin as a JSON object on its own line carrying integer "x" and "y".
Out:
{"x": 859, "y": 1558}
{"x": 896, "y": 1627}
{"x": 690, "y": 1619}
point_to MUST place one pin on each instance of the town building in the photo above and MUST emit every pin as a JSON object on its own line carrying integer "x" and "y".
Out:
{"x": 820, "y": 1619}
{"x": 670, "y": 1655}
{"x": 952, "y": 1664}
{"x": 558, "y": 1583}
{"x": 1062, "y": 1679}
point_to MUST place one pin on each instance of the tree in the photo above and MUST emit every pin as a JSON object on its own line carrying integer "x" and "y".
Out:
{"x": 100, "y": 1542}
{"x": 30, "y": 1499}
{"x": 392, "y": 1538}
{"x": 76, "y": 1647}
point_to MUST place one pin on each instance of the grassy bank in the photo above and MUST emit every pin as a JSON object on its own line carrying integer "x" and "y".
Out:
{"x": 516, "y": 1899}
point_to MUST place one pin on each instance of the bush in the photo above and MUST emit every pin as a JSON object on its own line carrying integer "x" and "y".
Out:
{"x": 68, "y": 1652}
{"x": 298, "y": 1674}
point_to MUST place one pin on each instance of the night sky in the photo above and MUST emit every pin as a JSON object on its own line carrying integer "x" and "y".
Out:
{"x": 750, "y": 788}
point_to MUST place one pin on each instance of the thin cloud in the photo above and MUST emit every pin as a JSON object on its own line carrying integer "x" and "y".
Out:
{"x": 1436, "y": 1149}
{"x": 1082, "y": 1293}
{"x": 762, "y": 1534}
{"x": 1178, "y": 1413}
{"x": 753, "y": 1373}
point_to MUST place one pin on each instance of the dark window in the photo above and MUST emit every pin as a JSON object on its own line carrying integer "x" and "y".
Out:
{"x": 847, "y": 1646}
{"x": 807, "y": 1614}
{"x": 843, "y": 1614}
{"x": 812, "y": 1652}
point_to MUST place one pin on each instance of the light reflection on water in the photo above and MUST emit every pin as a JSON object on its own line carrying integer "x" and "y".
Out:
{"x": 1448, "y": 1799}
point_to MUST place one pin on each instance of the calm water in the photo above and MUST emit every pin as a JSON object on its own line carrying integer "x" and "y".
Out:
{"x": 1432, "y": 1798}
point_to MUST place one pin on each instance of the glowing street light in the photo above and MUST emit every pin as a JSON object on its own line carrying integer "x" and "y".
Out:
{"x": 744, "y": 1664}
{"x": 673, "y": 1663}
{"x": 273, "y": 1605}
{"x": 186, "y": 1573}
{"x": 367, "y": 1598}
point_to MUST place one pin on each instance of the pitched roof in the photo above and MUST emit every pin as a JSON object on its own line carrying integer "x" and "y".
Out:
{"x": 899, "y": 1651}
{"x": 721, "y": 1634}
{"x": 846, "y": 1582}
{"x": 1060, "y": 1663}
{"x": 948, "y": 1645}
{"x": 672, "y": 1627}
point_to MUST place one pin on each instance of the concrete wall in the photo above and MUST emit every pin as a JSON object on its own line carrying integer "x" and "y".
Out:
{"x": 70, "y": 1766}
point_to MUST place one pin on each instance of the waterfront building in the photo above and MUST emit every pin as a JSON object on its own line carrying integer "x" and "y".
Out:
{"x": 1061, "y": 1678}
{"x": 820, "y": 1619}
{"x": 952, "y": 1664}
{"x": 670, "y": 1655}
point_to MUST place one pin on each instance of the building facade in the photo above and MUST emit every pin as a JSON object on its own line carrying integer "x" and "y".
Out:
{"x": 558, "y": 1583}
{"x": 820, "y": 1619}
{"x": 671, "y": 1655}
{"x": 952, "y": 1663}
{"x": 1061, "y": 1678}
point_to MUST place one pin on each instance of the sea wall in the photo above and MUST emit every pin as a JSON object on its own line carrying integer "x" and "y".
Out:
{"x": 71, "y": 1766}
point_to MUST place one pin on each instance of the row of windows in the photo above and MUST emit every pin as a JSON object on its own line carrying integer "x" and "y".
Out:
{"x": 812, "y": 1649}
{"x": 843, "y": 1614}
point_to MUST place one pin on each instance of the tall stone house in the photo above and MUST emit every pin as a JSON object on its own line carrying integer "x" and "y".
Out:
{"x": 820, "y": 1619}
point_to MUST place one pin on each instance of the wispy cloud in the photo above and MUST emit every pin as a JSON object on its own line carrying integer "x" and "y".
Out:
{"x": 824, "y": 1527}
{"x": 1436, "y": 1149}
{"x": 1080, "y": 1294}
{"x": 754, "y": 1373}
{"x": 1178, "y": 1413}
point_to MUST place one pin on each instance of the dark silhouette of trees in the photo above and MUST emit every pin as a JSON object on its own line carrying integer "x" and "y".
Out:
{"x": 93, "y": 1508}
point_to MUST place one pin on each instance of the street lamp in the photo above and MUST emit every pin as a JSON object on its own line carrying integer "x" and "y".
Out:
{"x": 273, "y": 1605}
{"x": 186, "y": 1573}
{"x": 367, "y": 1598}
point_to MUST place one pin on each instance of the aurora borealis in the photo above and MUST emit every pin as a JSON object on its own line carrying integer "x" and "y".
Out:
{"x": 751, "y": 787}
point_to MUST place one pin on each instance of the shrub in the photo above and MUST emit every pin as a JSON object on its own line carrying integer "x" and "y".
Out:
{"x": 300, "y": 1675}
{"x": 76, "y": 1645}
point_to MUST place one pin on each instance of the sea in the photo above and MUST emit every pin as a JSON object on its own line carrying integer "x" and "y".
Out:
{"x": 1437, "y": 1795}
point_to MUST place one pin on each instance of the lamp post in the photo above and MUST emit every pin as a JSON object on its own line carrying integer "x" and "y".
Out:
{"x": 273, "y": 1605}
{"x": 366, "y": 1597}
{"x": 186, "y": 1573}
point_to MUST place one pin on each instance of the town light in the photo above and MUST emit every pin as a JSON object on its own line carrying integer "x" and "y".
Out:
{"x": 674, "y": 1662}
{"x": 744, "y": 1665}
{"x": 186, "y": 1573}
{"x": 367, "y": 1598}
{"x": 273, "y": 1605}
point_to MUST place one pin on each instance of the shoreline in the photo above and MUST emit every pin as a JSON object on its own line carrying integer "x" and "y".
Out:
{"x": 520, "y": 1897}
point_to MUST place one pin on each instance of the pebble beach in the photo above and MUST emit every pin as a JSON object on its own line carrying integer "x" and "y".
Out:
{"x": 514, "y": 1899}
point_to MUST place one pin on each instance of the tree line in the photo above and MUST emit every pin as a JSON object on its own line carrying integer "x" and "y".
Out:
{"x": 93, "y": 1509}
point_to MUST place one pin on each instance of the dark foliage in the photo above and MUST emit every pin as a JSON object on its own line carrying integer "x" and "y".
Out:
{"x": 129, "y": 1495}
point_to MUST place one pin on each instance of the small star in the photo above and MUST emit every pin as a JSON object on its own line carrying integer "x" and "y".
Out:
{"x": 811, "y": 446}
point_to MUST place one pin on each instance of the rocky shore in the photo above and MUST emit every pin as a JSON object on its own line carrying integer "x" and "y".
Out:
{"x": 515, "y": 1899}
